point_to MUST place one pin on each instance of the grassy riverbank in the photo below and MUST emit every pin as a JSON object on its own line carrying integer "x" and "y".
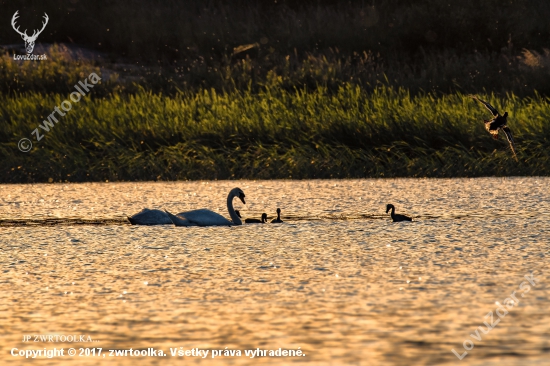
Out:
{"x": 320, "y": 89}
{"x": 272, "y": 134}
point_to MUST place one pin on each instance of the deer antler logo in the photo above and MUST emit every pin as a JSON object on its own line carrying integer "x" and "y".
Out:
{"x": 29, "y": 41}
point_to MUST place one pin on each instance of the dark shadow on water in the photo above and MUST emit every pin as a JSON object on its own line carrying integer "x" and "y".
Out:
{"x": 61, "y": 221}
{"x": 287, "y": 218}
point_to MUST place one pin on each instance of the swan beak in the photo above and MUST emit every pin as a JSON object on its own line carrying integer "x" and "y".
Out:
{"x": 241, "y": 197}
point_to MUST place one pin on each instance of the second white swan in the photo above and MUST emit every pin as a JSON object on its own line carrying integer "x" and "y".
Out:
{"x": 204, "y": 217}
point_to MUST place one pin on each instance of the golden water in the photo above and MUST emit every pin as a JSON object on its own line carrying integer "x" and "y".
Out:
{"x": 337, "y": 279}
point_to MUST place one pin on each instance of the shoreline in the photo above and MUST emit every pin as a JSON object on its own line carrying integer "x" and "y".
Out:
{"x": 274, "y": 134}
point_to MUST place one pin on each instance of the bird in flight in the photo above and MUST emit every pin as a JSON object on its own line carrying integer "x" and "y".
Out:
{"x": 493, "y": 126}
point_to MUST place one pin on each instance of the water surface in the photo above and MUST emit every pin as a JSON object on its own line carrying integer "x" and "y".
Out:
{"x": 337, "y": 279}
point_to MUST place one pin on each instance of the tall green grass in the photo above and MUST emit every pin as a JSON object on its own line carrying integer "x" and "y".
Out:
{"x": 312, "y": 89}
{"x": 271, "y": 134}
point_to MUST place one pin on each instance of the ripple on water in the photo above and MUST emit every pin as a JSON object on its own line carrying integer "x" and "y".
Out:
{"x": 337, "y": 279}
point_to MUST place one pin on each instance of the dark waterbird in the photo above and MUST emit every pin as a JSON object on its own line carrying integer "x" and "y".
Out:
{"x": 254, "y": 221}
{"x": 396, "y": 217}
{"x": 498, "y": 123}
{"x": 278, "y": 219}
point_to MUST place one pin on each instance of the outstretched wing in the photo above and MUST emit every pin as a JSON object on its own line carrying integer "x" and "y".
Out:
{"x": 510, "y": 138}
{"x": 487, "y": 105}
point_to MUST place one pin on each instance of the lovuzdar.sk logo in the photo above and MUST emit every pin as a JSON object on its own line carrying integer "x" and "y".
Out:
{"x": 29, "y": 40}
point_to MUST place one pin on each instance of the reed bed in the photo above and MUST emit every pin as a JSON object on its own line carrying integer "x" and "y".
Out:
{"x": 273, "y": 133}
{"x": 312, "y": 89}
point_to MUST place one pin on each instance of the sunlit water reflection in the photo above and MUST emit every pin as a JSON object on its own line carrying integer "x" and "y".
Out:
{"x": 337, "y": 279}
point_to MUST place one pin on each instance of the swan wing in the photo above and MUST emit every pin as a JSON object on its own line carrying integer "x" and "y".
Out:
{"x": 204, "y": 217}
{"x": 178, "y": 220}
{"x": 399, "y": 218}
{"x": 150, "y": 217}
{"x": 404, "y": 218}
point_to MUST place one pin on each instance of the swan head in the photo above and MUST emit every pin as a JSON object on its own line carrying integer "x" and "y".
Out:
{"x": 237, "y": 192}
{"x": 264, "y": 217}
{"x": 389, "y": 206}
{"x": 278, "y": 211}
{"x": 505, "y": 114}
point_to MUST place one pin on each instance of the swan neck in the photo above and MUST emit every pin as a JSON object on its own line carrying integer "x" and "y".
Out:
{"x": 236, "y": 219}
{"x": 392, "y": 211}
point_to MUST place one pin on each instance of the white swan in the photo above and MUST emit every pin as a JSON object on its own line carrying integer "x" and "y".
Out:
{"x": 159, "y": 217}
{"x": 150, "y": 217}
{"x": 204, "y": 217}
